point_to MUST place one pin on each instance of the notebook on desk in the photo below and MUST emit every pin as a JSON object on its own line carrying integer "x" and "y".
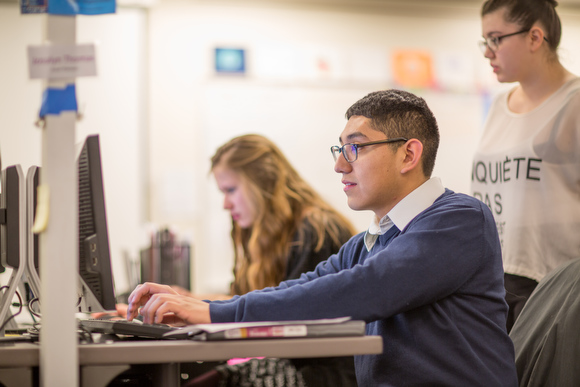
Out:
{"x": 339, "y": 327}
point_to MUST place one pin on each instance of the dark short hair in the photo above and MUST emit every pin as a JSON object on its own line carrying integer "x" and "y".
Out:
{"x": 527, "y": 12}
{"x": 398, "y": 113}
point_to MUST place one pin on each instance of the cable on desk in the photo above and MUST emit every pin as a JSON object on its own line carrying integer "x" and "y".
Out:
{"x": 15, "y": 314}
{"x": 34, "y": 330}
{"x": 32, "y": 312}
{"x": 84, "y": 334}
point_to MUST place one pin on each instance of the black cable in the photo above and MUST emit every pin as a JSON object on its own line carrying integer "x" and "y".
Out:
{"x": 35, "y": 330}
{"x": 30, "y": 299}
{"x": 14, "y": 314}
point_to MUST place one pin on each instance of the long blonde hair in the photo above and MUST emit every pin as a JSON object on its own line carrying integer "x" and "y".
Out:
{"x": 283, "y": 201}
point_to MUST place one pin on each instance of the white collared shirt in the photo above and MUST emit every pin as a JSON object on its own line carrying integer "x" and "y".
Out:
{"x": 404, "y": 211}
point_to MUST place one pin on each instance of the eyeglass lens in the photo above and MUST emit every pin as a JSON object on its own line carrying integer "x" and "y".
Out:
{"x": 348, "y": 150}
{"x": 492, "y": 43}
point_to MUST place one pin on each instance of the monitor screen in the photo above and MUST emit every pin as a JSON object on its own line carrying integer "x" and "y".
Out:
{"x": 95, "y": 269}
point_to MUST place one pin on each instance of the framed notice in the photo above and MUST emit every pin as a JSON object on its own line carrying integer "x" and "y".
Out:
{"x": 230, "y": 60}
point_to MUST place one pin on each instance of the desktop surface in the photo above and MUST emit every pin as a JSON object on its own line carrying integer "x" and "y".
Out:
{"x": 176, "y": 351}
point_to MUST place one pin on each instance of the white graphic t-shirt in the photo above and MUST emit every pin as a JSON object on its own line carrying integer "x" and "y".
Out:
{"x": 527, "y": 170}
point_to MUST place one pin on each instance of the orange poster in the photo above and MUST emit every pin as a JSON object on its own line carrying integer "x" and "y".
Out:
{"x": 413, "y": 69}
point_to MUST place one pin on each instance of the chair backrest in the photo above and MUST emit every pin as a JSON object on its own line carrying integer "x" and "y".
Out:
{"x": 546, "y": 335}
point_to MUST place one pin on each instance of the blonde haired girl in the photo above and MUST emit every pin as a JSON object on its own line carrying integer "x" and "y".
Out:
{"x": 281, "y": 227}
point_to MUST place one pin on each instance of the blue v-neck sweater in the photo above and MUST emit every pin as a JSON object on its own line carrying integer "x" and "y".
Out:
{"x": 434, "y": 292}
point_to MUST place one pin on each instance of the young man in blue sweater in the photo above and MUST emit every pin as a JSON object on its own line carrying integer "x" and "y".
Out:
{"x": 427, "y": 275}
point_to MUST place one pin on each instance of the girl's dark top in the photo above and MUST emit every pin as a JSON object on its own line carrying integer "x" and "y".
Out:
{"x": 302, "y": 257}
{"x": 333, "y": 371}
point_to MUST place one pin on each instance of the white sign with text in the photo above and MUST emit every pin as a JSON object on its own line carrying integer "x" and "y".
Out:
{"x": 61, "y": 61}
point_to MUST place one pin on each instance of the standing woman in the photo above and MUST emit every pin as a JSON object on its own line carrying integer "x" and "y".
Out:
{"x": 281, "y": 228}
{"x": 527, "y": 166}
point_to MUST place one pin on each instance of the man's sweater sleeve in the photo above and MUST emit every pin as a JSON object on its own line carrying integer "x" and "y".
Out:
{"x": 433, "y": 257}
{"x": 226, "y": 311}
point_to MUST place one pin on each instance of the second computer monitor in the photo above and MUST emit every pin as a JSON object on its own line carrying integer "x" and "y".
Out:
{"x": 94, "y": 255}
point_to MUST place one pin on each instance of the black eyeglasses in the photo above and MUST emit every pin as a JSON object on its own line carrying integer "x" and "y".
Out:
{"x": 493, "y": 41}
{"x": 350, "y": 151}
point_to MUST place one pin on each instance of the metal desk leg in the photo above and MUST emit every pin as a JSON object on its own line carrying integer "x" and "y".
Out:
{"x": 167, "y": 375}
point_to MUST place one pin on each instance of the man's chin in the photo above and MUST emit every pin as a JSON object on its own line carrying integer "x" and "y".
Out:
{"x": 353, "y": 205}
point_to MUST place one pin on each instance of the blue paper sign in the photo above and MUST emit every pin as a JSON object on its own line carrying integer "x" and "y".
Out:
{"x": 55, "y": 101}
{"x": 81, "y": 7}
{"x": 33, "y": 6}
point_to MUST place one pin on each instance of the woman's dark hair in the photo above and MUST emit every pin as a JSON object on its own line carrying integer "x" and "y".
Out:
{"x": 527, "y": 12}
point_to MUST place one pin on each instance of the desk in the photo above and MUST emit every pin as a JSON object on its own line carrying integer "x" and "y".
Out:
{"x": 104, "y": 361}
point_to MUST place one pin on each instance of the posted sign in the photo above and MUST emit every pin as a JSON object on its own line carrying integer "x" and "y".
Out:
{"x": 61, "y": 61}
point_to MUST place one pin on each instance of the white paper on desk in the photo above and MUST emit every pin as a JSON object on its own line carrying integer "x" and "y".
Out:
{"x": 195, "y": 329}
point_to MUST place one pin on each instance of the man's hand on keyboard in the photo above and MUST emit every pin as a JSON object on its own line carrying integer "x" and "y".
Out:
{"x": 162, "y": 304}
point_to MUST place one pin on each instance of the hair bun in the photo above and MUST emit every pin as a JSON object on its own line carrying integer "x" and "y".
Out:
{"x": 554, "y": 3}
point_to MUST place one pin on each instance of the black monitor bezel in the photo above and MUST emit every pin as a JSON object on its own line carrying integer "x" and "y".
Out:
{"x": 95, "y": 267}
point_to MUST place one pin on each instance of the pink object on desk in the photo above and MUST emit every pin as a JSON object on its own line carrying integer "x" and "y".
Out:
{"x": 239, "y": 360}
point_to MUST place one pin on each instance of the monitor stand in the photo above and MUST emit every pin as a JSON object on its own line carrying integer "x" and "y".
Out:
{"x": 22, "y": 261}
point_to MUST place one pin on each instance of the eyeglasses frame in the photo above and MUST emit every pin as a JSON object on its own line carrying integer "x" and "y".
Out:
{"x": 484, "y": 44}
{"x": 340, "y": 149}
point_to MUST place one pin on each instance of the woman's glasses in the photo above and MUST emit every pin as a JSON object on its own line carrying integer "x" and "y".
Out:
{"x": 493, "y": 41}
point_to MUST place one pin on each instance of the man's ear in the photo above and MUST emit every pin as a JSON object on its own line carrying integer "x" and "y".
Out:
{"x": 412, "y": 159}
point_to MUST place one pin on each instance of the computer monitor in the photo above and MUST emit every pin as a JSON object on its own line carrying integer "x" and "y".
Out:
{"x": 13, "y": 205}
{"x": 2, "y": 212}
{"x": 19, "y": 247}
{"x": 12, "y": 236}
{"x": 95, "y": 271}
{"x": 32, "y": 240}
{"x": 32, "y": 179}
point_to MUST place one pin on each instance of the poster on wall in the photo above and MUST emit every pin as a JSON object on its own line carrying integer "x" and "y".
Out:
{"x": 413, "y": 69}
{"x": 229, "y": 60}
{"x": 33, "y": 6}
{"x": 454, "y": 72}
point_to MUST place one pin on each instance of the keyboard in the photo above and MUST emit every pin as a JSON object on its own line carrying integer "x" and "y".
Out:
{"x": 127, "y": 328}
